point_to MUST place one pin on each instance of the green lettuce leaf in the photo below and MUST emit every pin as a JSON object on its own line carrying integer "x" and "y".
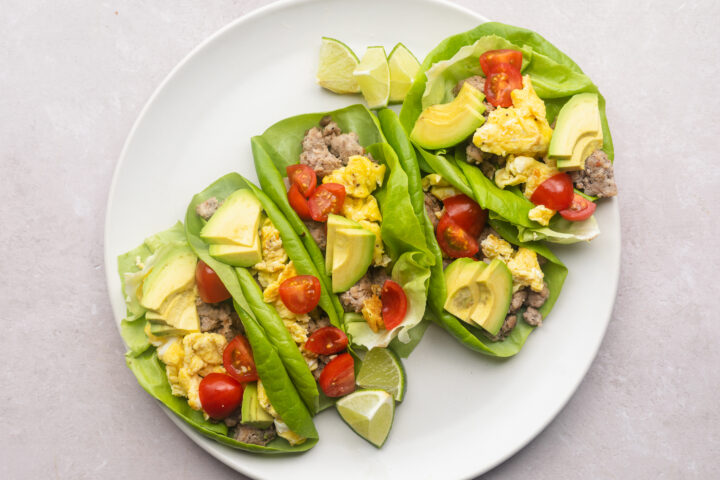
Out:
{"x": 281, "y": 145}
{"x": 251, "y": 293}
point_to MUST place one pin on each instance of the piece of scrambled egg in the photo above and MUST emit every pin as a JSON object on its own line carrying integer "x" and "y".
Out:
{"x": 541, "y": 214}
{"x": 297, "y": 324}
{"x": 521, "y": 129}
{"x": 523, "y": 264}
{"x": 188, "y": 360}
{"x": 281, "y": 428}
{"x": 360, "y": 177}
{"x": 274, "y": 256}
{"x": 360, "y": 209}
{"x": 372, "y": 313}
{"x": 438, "y": 186}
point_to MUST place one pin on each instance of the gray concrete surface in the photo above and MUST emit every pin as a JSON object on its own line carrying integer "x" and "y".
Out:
{"x": 73, "y": 78}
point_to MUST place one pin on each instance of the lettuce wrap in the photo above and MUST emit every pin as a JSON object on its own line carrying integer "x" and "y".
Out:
{"x": 555, "y": 78}
{"x": 471, "y": 336}
{"x": 403, "y": 238}
{"x": 142, "y": 357}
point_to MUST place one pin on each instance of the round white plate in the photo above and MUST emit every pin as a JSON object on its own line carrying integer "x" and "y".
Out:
{"x": 464, "y": 413}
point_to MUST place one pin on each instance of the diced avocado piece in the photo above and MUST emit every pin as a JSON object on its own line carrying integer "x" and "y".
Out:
{"x": 495, "y": 292}
{"x": 445, "y": 125}
{"x": 237, "y": 255}
{"x": 252, "y": 414}
{"x": 462, "y": 290}
{"x": 174, "y": 271}
{"x": 179, "y": 311}
{"x": 578, "y": 132}
{"x": 333, "y": 223}
{"x": 236, "y": 221}
{"x": 352, "y": 255}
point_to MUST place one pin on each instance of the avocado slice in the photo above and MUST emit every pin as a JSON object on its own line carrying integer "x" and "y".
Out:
{"x": 445, "y": 125}
{"x": 179, "y": 311}
{"x": 161, "y": 330}
{"x": 236, "y": 221}
{"x": 462, "y": 290}
{"x": 494, "y": 286}
{"x": 334, "y": 222}
{"x": 578, "y": 132}
{"x": 237, "y": 255}
{"x": 173, "y": 272}
{"x": 352, "y": 255}
{"x": 252, "y": 414}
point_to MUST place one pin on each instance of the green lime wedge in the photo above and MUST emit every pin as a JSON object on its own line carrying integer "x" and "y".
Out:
{"x": 381, "y": 368}
{"x": 373, "y": 76}
{"x": 337, "y": 63}
{"x": 369, "y": 413}
{"x": 403, "y": 68}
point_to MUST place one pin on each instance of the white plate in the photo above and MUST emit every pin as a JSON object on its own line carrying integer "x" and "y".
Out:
{"x": 464, "y": 413}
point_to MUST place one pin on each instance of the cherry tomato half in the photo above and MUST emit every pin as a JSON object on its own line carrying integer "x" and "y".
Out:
{"x": 454, "y": 240}
{"x": 502, "y": 79}
{"x": 220, "y": 395}
{"x": 210, "y": 288}
{"x": 338, "y": 376}
{"x": 238, "y": 360}
{"x": 493, "y": 57}
{"x": 304, "y": 177}
{"x": 394, "y": 304}
{"x": 300, "y": 294}
{"x": 327, "y": 198}
{"x": 556, "y": 193}
{"x": 466, "y": 213}
{"x": 580, "y": 209}
{"x": 298, "y": 202}
{"x": 326, "y": 341}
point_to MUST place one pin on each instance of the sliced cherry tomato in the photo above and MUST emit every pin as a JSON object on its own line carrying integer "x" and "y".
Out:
{"x": 466, "y": 213}
{"x": 493, "y": 57}
{"x": 326, "y": 341}
{"x": 394, "y": 304}
{"x": 328, "y": 198}
{"x": 220, "y": 395}
{"x": 580, "y": 209}
{"x": 300, "y": 294}
{"x": 210, "y": 288}
{"x": 304, "y": 177}
{"x": 502, "y": 79}
{"x": 298, "y": 202}
{"x": 238, "y": 360}
{"x": 556, "y": 193}
{"x": 454, "y": 240}
{"x": 338, "y": 376}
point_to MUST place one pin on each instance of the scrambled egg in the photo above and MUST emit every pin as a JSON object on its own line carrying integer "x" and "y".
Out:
{"x": 188, "y": 360}
{"x": 438, "y": 186}
{"x": 273, "y": 253}
{"x": 372, "y": 313}
{"x": 295, "y": 323}
{"x": 360, "y": 177}
{"x": 496, "y": 247}
{"x": 359, "y": 209}
{"x": 282, "y": 429}
{"x": 541, "y": 214}
{"x": 526, "y": 270}
{"x": 525, "y": 170}
{"x": 522, "y": 129}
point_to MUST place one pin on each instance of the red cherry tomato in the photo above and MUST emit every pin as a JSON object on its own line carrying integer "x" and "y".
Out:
{"x": 238, "y": 360}
{"x": 298, "y": 202}
{"x": 466, "y": 213}
{"x": 210, "y": 288}
{"x": 556, "y": 193}
{"x": 502, "y": 79}
{"x": 580, "y": 209}
{"x": 300, "y": 294}
{"x": 326, "y": 341}
{"x": 220, "y": 395}
{"x": 394, "y": 304}
{"x": 338, "y": 376}
{"x": 304, "y": 177}
{"x": 493, "y": 57}
{"x": 454, "y": 240}
{"x": 328, "y": 198}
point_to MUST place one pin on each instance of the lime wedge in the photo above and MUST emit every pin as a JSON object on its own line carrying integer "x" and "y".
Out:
{"x": 369, "y": 413}
{"x": 335, "y": 71}
{"x": 373, "y": 76}
{"x": 403, "y": 68}
{"x": 381, "y": 368}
